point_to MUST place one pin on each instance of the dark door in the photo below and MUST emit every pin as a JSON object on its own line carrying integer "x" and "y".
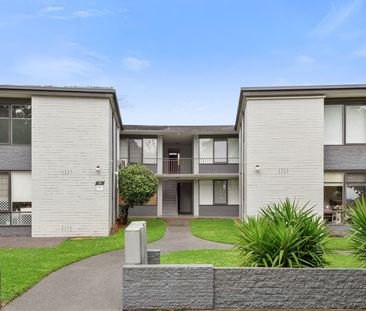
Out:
{"x": 173, "y": 163}
{"x": 185, "y": 198}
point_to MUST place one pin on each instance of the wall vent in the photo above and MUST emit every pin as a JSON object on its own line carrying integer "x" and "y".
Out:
{"x": 66, "y": 228}
{"x": 283, "y": 171}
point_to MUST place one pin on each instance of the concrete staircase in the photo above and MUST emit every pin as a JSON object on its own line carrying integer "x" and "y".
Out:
{"x": 170, "y": 204}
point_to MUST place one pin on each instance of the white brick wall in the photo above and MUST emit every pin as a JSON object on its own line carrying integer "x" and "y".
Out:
{"x": 70, "y": 137}
{"x": 284, "y": 137}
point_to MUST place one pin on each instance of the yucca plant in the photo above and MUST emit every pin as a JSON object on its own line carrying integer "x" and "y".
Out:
{"x": 357, "y": 215}
{"x": 283, "y": 235}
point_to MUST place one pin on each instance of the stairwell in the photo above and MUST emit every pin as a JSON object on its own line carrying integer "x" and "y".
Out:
{"x": 170, "y": 204}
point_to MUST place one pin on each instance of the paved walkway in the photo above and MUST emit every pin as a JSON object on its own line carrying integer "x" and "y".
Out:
{"x": 28, "y": 242}
{"x": 94, "y": 284}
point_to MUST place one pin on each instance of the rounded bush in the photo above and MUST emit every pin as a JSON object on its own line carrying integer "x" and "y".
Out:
{"x": 283, "y": 235}
{"x": 137, "y": 184}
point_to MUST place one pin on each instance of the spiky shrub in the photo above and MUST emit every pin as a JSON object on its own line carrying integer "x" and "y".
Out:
{"x": 357, "y": 215}
{"x": 284, "y": 234}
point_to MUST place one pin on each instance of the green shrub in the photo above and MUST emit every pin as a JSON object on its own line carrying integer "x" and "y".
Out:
{"x": 357, "y": 214}
{"x": 137, "y": 184}
{"x": 283, "y": 235}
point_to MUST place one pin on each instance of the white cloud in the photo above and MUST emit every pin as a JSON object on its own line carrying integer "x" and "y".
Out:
{"x": 53, "y": 12}
{"x": 361, "y": 52}
{"x": 58, "y": 70}
{"x": 52, "y": 9}
{"x": 339, "y": 13}
{"x": 136, "y": 64}
{"x": 305, "y": 59}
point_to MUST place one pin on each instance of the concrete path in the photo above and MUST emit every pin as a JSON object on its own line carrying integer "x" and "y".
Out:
{"x": 28, "y": 242}
{"x": 94, "y": 284}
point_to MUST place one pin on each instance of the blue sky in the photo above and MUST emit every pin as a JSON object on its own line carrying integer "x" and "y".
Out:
{"x": 181, "y": 61}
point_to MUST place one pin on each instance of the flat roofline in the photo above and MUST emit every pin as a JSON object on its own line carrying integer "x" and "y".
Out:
{"x": 188, "y": 129}
{"x": 51, "y": 88}
{"x": 67, "y": 90}
{"x": 296, "y": 90}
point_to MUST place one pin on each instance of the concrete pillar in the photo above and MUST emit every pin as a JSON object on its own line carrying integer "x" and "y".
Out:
{"x": 160, "y": 155}
{"x": 195, "y": 154}
{"x": 160, "y": 199}
{"x": 195, "y": 198}
{"x": 136, "y": 243}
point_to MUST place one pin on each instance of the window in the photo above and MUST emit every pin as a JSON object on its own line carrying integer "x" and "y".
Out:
{"x": 21, "y": 124}
{"x": 333, "y": 125}
{"x": 233, "y": 192}
{"x": 355, "y": 186}
{"x": 4, "y": 192}
{"x": 333, "y": 197}
{"x": 220, "y": 192}
{"x": 206, "y": 150}
{"x": 233, "y": 150}
{"x": 135, "y": 150}
{"x": 206, "y": 192}
{"x": 356, "y": 124}
{"x": 21, "y": 191}
{"x": 15, "y": 124}
{"x": 4, "y": 124}
{"x": 220, "y": 151}
{"x": 124, "y": 148}
{"x": 141, "y": 150}
{"x": 150, "y": 150}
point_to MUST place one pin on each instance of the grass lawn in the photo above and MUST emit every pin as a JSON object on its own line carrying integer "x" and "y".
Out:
{"x": 340, "y": 243}
{"x": 217, "y": 230}
{"x": 23, "y": 267}
{"x": 229, "y": 258}
{"x": 223, "y": 231}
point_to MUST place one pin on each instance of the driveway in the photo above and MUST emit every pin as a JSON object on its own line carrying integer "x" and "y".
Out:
{"x": 96, "y": 282}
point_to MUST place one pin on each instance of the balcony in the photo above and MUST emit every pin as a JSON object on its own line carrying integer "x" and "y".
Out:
{"x": 178, "y": 165}
{"x": 188, "y": 165}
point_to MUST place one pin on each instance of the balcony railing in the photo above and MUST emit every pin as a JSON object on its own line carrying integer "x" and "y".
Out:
{"x": 178, "y": 166}
{"x": 188, "y": 165}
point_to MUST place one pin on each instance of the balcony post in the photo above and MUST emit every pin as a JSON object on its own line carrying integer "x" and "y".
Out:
{"x": 160, "y": 155}
{"x": 195, "y": 198}
{"x": 195, "y": 154}
{"x": 160, "y": 199}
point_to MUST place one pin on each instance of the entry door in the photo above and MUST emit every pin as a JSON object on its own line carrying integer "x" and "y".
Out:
{"x": 174, "y": 157}
{"x": 185, "y": 198}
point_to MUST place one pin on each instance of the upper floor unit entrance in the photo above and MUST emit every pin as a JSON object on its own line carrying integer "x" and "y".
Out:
{"x": 177, "y": 153}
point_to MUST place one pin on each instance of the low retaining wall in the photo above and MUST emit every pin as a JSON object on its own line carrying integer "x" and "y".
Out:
{"x": 206, "y": 287}
{"x": 167, "y": 286}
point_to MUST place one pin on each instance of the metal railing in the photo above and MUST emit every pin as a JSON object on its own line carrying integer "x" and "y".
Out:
{"x": 187, "y": 165}
{"x": 178, "y": 166}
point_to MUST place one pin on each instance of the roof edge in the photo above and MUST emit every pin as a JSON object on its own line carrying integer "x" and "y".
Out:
{"x": 67, "y": 89}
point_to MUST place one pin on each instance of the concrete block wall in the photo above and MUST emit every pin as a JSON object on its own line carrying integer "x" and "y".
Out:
{"x": 206, "y": 287}
{"x": 167, "y": 286}
{"x": 289, "y": 288}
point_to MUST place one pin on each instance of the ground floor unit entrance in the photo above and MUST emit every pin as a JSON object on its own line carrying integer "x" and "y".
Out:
{"x": 195, "y": 197}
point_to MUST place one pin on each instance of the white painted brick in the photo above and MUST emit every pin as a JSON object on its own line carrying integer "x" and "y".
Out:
{"x": 283, "y": 133}
{"x": 70, "y": 134}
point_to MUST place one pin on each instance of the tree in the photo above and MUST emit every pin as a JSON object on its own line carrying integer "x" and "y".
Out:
{"x": 137, "y": 184}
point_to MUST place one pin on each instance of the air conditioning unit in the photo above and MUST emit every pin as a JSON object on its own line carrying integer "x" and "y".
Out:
{"x": 123, "y": 163}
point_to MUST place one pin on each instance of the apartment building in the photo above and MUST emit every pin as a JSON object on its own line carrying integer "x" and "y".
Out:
{"x": 61, "y": 147}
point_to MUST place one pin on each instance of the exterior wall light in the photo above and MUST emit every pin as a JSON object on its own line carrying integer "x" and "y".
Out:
{"x": 257, "y": 168}
{"x": 97, "y": 169}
